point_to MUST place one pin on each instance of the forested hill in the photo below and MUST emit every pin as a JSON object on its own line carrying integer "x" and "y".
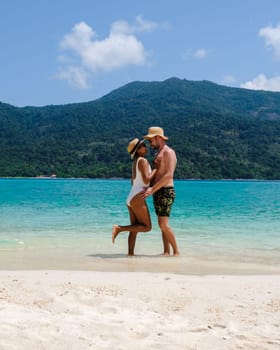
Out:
{"x": 217, "y": 132}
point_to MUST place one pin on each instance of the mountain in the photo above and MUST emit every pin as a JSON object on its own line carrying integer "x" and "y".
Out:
{"x": 217, "y": 132}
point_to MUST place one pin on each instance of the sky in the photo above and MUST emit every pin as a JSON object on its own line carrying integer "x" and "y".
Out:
{"x": 69, "y": 51}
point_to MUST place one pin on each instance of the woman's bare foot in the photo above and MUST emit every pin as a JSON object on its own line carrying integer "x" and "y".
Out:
{"x": 115, "y": 232}
{"x": 165, "y": 254}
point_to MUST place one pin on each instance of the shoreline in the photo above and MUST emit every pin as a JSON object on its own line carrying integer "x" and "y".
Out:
{"x": 43, "y": 177}
{"x": 119, "y": 262}
{"x": 101, "y": 310}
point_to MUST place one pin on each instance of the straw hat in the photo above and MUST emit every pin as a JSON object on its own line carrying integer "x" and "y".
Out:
{"x": 155, "y": 131}
{"x": 133, "y": 146}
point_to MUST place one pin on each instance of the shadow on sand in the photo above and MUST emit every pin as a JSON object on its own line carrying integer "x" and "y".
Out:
{"x": 123, "y": 256}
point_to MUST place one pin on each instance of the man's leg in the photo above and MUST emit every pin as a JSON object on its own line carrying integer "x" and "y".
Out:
{"x": 166, "y": 246}
{"x": 168, "y": 236}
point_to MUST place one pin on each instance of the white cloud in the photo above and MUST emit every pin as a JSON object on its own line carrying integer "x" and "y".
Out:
{"x": 271, "y": 36}
{"x": 121, "y": 48}
{"x": 200, "y": 53}
{"x": 75, "y": 76}
{"x": 140, "y": 25}
{"x": 117, "y": 50}
{"x": 195, "y": 54}
{"x": 261, "y": 82}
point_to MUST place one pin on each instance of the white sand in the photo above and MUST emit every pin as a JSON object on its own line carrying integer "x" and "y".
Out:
{"x": 77, "y": 310}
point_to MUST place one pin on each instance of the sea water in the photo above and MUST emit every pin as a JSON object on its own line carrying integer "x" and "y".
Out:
{"x": 66, "y": 220}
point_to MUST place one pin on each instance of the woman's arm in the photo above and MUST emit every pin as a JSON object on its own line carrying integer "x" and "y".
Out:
{"x": 144, "y": 168}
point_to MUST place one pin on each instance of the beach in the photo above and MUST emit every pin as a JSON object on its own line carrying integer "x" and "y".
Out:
{"x": 51, "y": 309}
{"x": 64, "y": 285}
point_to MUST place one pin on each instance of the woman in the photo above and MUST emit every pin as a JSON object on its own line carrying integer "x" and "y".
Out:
{"x": 140, "y": 220}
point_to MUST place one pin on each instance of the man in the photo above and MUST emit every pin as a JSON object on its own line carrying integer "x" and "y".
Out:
{"x": 162, "y": 187}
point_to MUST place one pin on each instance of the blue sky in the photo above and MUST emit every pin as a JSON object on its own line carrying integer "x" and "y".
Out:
{"x": 66, "y": 51}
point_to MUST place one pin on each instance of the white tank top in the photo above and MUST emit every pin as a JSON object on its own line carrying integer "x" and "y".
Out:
{"x": 138, "y": 183}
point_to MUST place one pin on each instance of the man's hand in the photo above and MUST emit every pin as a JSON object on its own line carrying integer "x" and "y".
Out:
{"x": 148, "y": 192}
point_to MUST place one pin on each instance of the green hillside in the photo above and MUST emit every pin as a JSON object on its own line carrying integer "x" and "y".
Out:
{"x": 217, "y": 132}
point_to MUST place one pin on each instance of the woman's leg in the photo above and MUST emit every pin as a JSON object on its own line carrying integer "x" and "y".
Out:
{"x": 142, "y": 222}
{"x": 132, "y": 235}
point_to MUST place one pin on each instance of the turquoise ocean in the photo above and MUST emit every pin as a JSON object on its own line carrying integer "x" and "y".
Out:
{"x": 66, "y": 224}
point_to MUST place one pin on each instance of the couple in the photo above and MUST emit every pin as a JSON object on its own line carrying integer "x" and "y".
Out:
{"x": 162, "y": 189}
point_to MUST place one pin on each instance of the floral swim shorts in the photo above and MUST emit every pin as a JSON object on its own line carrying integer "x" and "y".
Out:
{"x": 163, "y": 200}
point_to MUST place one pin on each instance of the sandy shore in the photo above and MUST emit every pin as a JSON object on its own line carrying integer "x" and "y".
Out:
{"x": 77, "y": 310}
{"x": 73, "y": 259}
